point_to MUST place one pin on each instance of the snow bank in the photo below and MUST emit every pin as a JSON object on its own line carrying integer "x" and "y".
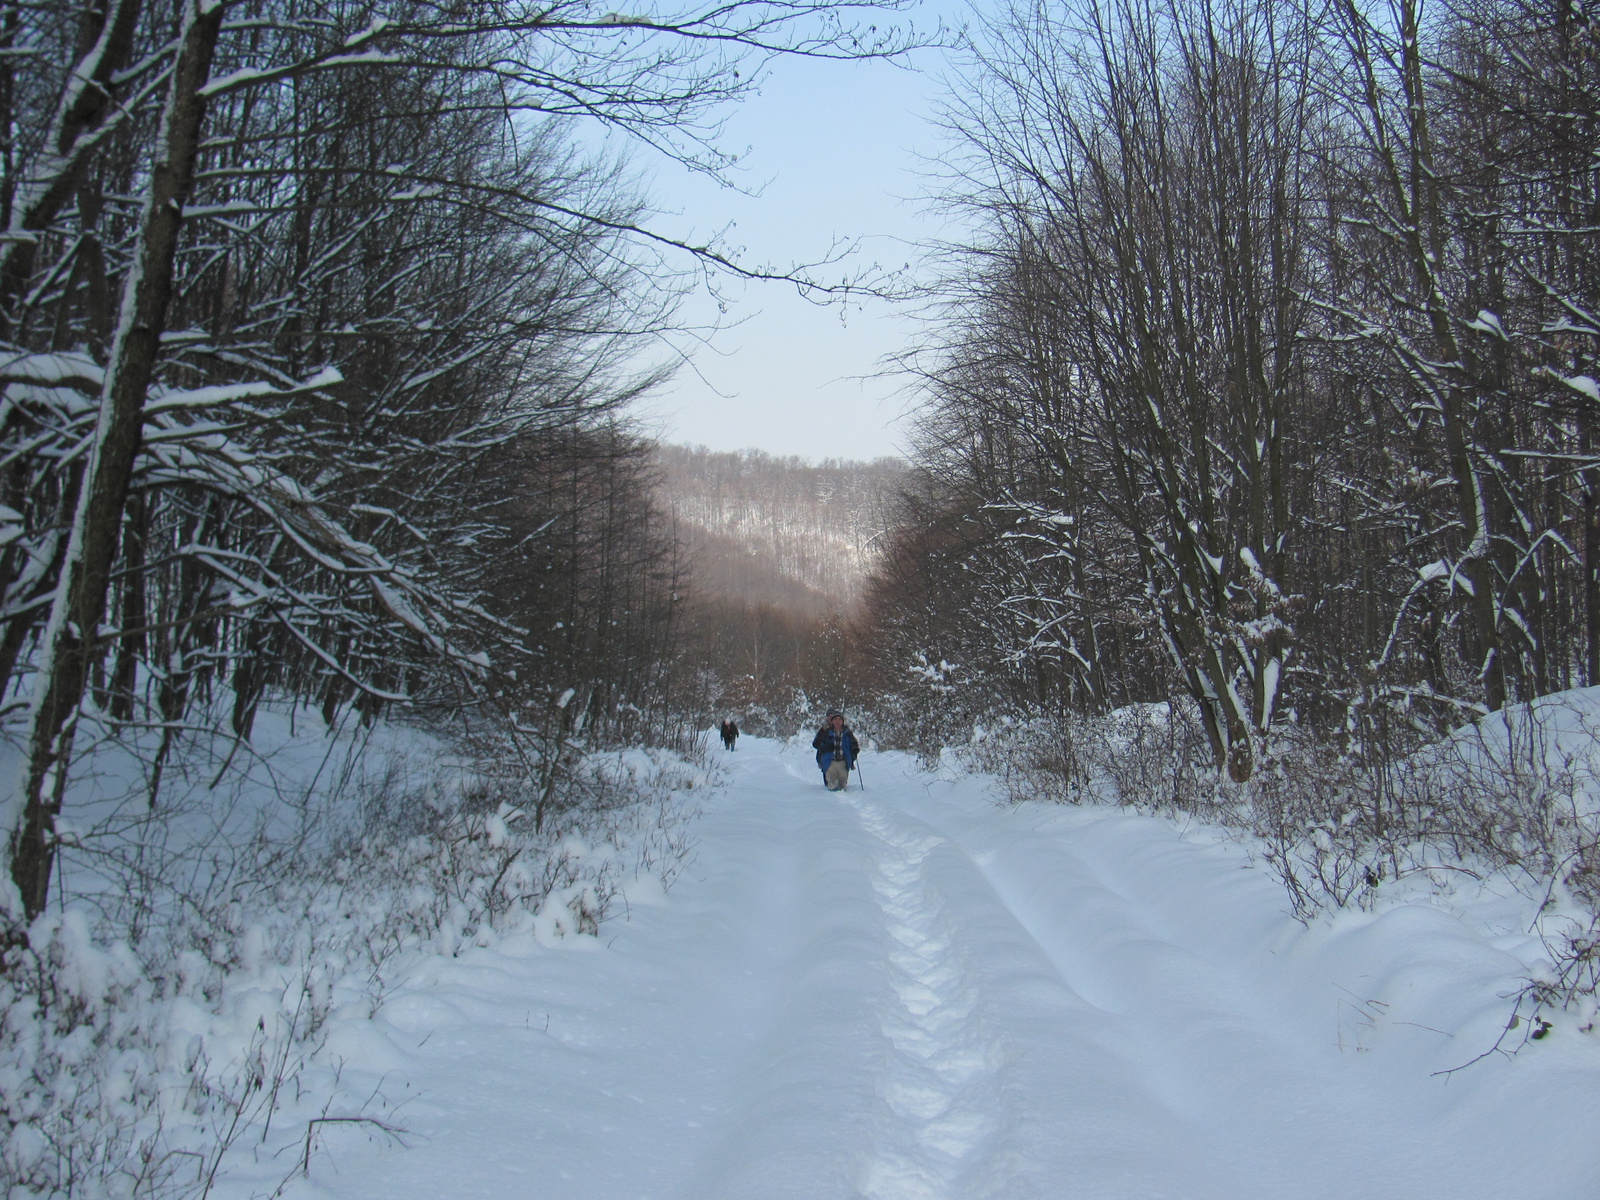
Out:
{"x": 1554, "y": 742}
{"x": 216, "y": 958}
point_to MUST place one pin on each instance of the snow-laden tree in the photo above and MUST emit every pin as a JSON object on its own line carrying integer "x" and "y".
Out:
{"x": 1142, "y": 175}
{"x": 1466, "y": 247}
{"x": 1296, "y": 304}
{"x": 291, "y": 295}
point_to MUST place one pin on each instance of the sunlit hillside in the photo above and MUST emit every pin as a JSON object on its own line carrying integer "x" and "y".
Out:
{"x": 779, "y": 531}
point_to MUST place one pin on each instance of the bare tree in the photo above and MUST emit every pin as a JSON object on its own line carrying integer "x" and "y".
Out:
{"x": 1276, "y": 333}
{"x": 1144, "y": 173}
{"x": 278, "y": 286}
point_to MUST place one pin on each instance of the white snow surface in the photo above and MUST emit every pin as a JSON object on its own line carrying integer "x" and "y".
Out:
{"x": 909, "y": 992}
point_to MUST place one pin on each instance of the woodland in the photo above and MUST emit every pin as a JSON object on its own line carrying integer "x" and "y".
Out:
{"x": 778, "y": 552}
{"x": 319, "y": 324}
{"x": 1254, "y": 475}
{"x": 1267, "y": 376}
{"x": 1258, "y": 452}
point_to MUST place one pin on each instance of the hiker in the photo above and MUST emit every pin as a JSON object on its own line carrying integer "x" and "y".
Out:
{"x": 836, "y": 749}
{"x": 730, "y": 734}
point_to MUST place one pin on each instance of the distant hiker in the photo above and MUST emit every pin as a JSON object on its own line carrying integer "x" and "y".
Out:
{"x": 836, "y": 749}
{"x": 730, "y": 734}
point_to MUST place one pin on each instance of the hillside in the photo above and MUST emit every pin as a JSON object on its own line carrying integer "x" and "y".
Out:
{"x": 780, "y": 531}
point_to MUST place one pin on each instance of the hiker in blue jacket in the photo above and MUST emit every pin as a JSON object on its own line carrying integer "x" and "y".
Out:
{"x": 836, "y": 749}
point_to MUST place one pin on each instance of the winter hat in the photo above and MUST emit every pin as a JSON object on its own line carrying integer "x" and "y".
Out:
{"x": 834, "y": 712}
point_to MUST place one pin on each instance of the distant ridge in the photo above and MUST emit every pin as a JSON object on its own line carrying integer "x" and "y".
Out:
{"x": 782, "y": 531}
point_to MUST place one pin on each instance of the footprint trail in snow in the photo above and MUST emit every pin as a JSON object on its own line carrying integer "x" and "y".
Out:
{"x": 934, "y": 1082}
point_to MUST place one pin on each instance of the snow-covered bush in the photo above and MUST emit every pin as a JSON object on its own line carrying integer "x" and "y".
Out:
{"x": 782, "y": 710}
{"x": 162, "y": 1024}
{"x": 76, "y": 1078}
{"x": 1515, "y": 793}
{"x": 1152, "y": 756}
{"x": 924, "y": 722}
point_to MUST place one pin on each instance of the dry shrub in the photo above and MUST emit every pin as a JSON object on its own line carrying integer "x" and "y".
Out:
{"x": 1337, "y": 817}
{"x": 105, "y": 1090}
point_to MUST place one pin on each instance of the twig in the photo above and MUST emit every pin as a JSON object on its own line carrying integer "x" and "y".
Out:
{"x": 395, "y": 1133}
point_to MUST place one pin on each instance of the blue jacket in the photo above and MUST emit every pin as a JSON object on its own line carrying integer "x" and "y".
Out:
{"x": 827, "y": 742}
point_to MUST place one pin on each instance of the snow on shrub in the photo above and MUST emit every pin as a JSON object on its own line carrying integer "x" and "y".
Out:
{"x": 1511, "y": 800}
{"x": 144, "y": 1068}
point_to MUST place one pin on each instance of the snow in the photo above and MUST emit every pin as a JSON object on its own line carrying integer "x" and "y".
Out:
{"x": 1582, "y": 384}
{"x": 910, "y": 992}
{"x": 1559, "y": 730}
{"x": 53, "y": 370}
{"x": 277, "y": 885}
{"x": 174, "y": 399}
{"x": 1488, "y": 322}
{"x": 1525, "y": 756}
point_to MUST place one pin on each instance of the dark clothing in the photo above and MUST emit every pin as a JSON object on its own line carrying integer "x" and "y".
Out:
{"x": 730, "y": 734}
{"x": 830, "y": 745}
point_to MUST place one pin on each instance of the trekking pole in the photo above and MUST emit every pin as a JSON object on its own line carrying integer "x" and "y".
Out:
{"x": 860, "y": 783}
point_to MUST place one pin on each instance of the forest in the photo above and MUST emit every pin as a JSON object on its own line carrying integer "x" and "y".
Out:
{"x": 1263, "y": 392}
{"x": 778, "y": 554}
{"x": 1270, "y": 371}
{"x": 319, "y": 328}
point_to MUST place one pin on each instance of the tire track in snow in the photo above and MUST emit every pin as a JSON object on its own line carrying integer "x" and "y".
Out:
{"x": 941, "y": 1057}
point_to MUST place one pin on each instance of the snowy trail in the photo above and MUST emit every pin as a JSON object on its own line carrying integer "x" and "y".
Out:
{"x": 910, "y": 994}
{"x": 943, "y": 1055}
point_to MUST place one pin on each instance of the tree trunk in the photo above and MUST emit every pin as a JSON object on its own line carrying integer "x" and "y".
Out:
{"x": 105, "y": 39}
{"x": 80, "y": 598}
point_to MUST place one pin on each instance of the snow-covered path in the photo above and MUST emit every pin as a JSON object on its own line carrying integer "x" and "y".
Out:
{"x": 908, "y": 993}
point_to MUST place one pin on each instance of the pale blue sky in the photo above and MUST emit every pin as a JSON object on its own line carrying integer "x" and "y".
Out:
{"x": 834, "y": 150}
